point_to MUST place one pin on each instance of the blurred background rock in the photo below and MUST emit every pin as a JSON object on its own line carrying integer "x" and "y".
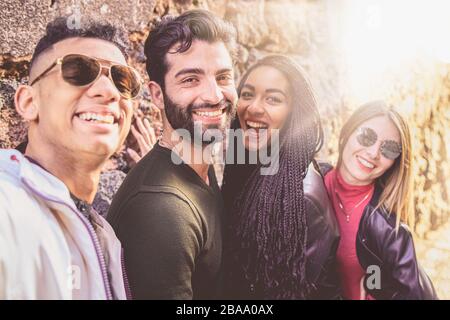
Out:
{"x": 353, "y": 51}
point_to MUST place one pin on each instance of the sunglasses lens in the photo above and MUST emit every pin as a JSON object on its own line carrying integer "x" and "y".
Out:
{"x": 391, "y": 149}
{"x": 126, "y": 81}
{"x": 79, "y": 70}
{"x": 367, "y": 137}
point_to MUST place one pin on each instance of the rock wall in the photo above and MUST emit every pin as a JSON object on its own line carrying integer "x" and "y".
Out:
{"x": 300, "y": 29}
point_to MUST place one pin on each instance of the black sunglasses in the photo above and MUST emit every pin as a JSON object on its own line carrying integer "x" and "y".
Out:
{"x": 390, "y": 149}
{"x": 80, "y": 70}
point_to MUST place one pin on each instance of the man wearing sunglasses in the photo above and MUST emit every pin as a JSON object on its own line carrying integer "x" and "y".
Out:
{"x": 168, "y": 211}
{"x": 78, "y": 104}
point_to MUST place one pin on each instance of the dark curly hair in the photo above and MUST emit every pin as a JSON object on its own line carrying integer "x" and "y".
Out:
{"x": 189, "y": 26}
{"x": 58, "y": 30}
{"x": 267, "y": 227}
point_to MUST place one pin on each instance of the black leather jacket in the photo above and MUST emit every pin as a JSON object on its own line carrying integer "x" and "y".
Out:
{"x": 322, "y": 243}
{"x": 378, "y": 244}
{"x": 323, "y": 238}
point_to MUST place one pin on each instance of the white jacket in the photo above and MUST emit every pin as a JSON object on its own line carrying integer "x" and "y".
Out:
{"x": 48, "y": 249}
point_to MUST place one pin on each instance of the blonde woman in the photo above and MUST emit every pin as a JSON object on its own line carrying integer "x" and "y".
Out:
{"x": 371, "y": 192}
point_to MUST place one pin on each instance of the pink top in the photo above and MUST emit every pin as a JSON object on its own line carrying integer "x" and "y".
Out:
{"x": 348, "y": 202}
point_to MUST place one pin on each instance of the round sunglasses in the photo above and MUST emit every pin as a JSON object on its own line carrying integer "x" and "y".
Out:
{"x": 390, "y": 149}
{"x": 80, "y": 70}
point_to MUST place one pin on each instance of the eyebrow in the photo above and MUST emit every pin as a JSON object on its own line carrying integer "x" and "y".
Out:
{"x": 200, "y": 71}
{"x": 276, "y": 91}
{"x": 224, "y": 70}
{"x": 189, "y": 71}
{"x": 249, "y": 86}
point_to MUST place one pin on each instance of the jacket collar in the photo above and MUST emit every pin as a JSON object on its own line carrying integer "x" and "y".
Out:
{"x": 34, "y": 177}
{"x": 325, "y": 167}
{"x": 376, "y": 195}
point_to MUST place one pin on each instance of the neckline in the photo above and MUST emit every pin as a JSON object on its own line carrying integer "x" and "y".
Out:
{"x": 211, "y": 175}
{"x": 33, "y": 161}
{"x": 346, "y": 187}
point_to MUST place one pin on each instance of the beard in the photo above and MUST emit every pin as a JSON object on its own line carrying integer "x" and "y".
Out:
{"x": 181, "y": 117}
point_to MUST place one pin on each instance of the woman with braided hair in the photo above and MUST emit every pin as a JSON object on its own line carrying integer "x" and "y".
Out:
{"x": 282, "y": 234}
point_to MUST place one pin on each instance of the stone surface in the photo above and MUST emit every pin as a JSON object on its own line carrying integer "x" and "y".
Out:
{"x": 434, "y": 255}
{"x": 250, "y": 20}
{"x": 21, "y": 17}
{"x": 110, "y": 182}
{"x": 12, "y": 127}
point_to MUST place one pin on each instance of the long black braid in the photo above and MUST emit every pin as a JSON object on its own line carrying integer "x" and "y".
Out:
{"x": 267, "y": 217}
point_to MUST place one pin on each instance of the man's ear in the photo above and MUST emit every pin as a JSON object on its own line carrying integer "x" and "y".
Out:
{"x": 157, "y": 94}
{"x": 25, "y": 102}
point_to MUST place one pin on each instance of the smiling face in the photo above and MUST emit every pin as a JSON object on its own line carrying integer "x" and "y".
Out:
{"x": 362, "y": 165}
{"x": 264, "y": 104}
{"x": 93, "y": 119}
{"x": 200, "y": 88}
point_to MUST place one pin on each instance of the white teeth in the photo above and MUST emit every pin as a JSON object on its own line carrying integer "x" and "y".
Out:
{"x": 256, "y": 124}
{"x": 366, "y": 163}
{"x": 209, "y": 113}
{"x": 88, "y": 116}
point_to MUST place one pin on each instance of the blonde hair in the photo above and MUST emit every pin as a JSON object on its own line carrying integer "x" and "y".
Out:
{"x": 396, "y": 182}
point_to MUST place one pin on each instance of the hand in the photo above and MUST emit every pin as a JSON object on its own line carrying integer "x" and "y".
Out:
{"x": 145, "y": 137}
{"x": 362, "y": 291}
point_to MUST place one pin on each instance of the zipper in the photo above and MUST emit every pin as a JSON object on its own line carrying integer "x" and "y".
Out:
{"x": 100, "y": 257}
{"x": 363, "y": 242}
{"x": 94, "y": 238}
{"x": 361, "y": 239}
{"x": 125, "y": 278}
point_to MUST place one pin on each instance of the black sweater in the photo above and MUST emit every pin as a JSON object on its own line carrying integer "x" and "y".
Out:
{"x": 169, "y": 223}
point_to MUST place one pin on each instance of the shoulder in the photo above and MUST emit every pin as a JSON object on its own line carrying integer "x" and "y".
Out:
{"x": 155, "y": 173}
{"x": 381, "y": 222}
{"x": 13, "y": 193}
{"x": 379, "y": 230}
{"x": 23, "y": 215}
{"x": 165, "y": 218}
{"x": 319, "y": 209}
{"x": 155, "y": 206}
{"x": 10, "y": 161}
{"x": 314, "y": 189}
{"x": 162, "y": 196}
{"x": 324, "y": 167}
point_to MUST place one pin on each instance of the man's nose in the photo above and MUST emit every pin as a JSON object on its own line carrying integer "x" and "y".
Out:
{"x": 104, "y": 87}
{"x": 212, "y": 93}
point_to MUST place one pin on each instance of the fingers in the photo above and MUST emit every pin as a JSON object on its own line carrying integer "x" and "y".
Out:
{"x": 134, "y": 155}
{"x": 156, "y": 113}
{"x": 151, "y": 132}
{"x": 144, "y": 147}
{"x": 362, "y": 291}
{"x": 144, "y": 133}
{"x": 143, "y": 130}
